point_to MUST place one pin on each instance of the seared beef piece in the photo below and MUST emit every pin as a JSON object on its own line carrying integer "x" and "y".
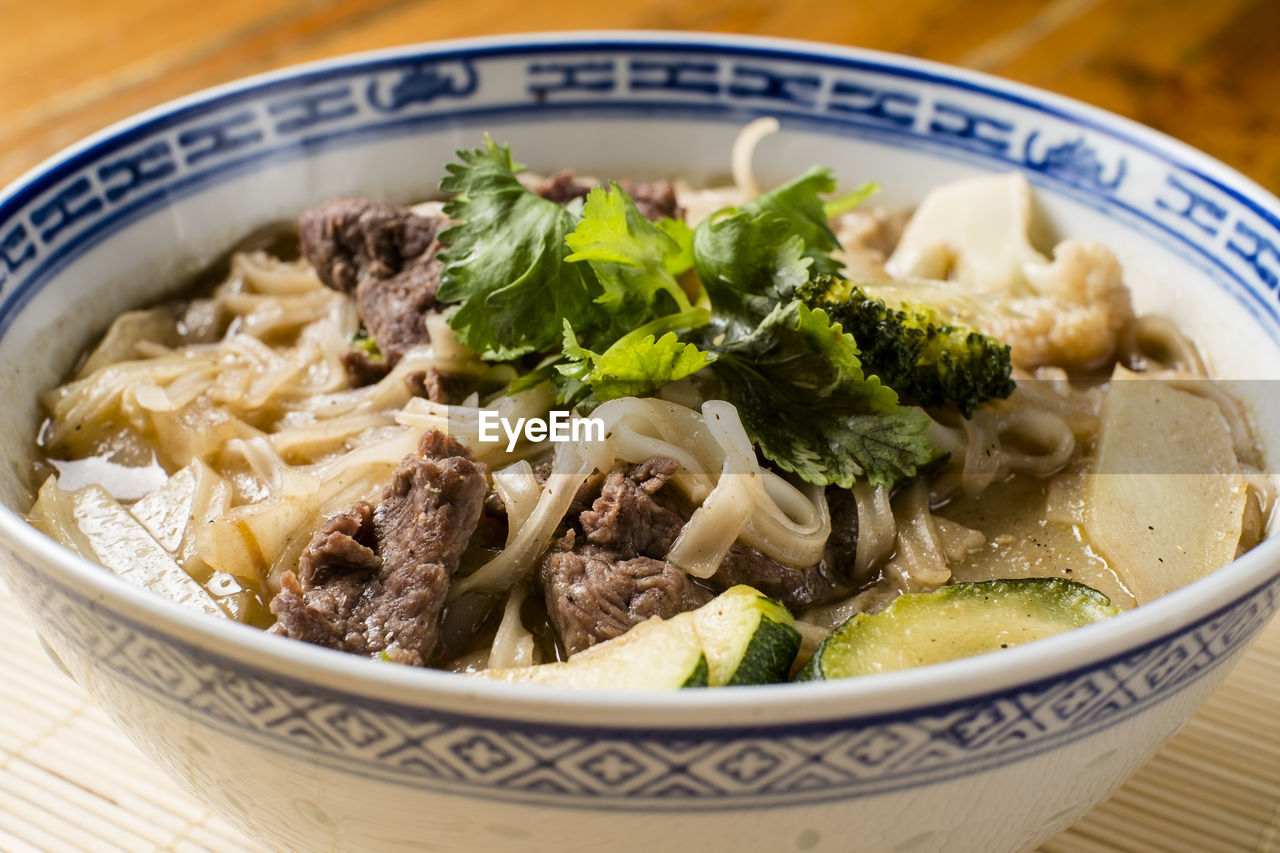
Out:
{"x": 386, "y": 255}
{"x": 842, "y": 544}
{"x": 322, "y": 607}
{"x": 343, "y": 544}
{"x": 598, "y": 588}
{"x": 374, "y": 580}
{"x": 793, "y": 587}
{"x": 393, "y": 309}
{"x": 654, "y": 199}
{"x": 347, "y": 597}
{"x": 635, "y": 514}
{"x": 595, "y": 594}
{"x": 362, "y": 370}
{"x": 626, "y": 516}
{"x": 561, "y": 188}
{"x": 432, "y": 504}
{"x": 320, "y": 620}
{"x": 582, "y": 498}
{"x": 351, "y": 240}
{"x": 828, "y": 580}
{"x": 436, "y": 386}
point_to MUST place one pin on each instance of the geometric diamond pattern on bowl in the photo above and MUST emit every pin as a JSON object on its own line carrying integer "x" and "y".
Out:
{"x": 638, "y": 769}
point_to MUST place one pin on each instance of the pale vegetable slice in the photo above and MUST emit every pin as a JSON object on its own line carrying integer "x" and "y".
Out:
{"x": 955, "y": 621}
{"x": 94, "y": 525}
{"x": 974, "y": 231}
{"x": 175, "y": 512}
{"x": 166, "y": 511}
{"x": 655, "y": 654}
{"x": 54, "y": 514}
{"x": 1166, "y": 502}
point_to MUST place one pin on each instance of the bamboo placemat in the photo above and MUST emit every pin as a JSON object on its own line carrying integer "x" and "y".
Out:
{"x": 70, "y": 782}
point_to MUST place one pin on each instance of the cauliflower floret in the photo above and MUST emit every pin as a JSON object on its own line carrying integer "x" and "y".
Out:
{"x": 1078, "y": 308}
{"x": 972, "y": 238}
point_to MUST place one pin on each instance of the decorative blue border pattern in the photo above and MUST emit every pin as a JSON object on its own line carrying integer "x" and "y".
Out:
{"x": 633, "y": 769}
{"x": 66, "y": 210}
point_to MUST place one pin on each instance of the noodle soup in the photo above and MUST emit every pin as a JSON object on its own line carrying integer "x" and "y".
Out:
{"x": 791, "y": 391}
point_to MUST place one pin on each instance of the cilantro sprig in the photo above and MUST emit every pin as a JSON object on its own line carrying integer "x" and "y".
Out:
{"x": 804, "y": 399}
{"x": 505, "y": 261}
{"x": 638, "y": 363}
{"x": 617, "y": 305}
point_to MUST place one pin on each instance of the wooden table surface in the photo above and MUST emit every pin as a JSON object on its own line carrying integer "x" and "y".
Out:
{"x": 1204, "y": 72}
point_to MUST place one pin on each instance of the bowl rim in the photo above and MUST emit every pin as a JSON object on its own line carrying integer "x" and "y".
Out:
{"x": 769, "y": 706}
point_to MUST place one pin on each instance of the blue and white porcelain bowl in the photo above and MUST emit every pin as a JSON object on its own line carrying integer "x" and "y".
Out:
{"x": 309, "y": 749}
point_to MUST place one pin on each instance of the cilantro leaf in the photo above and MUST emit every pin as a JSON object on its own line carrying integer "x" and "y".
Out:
{"x": 799, "y": 204}
{"x": 753, "y": 257}
{"x": 748, "y": 264}
{"x": 682, "y": 235}
{"x": 799, "y": 387}
{"x": 505, "y": 260}
{"x": 634, "y": 260}
{"x": 638, "y": 363}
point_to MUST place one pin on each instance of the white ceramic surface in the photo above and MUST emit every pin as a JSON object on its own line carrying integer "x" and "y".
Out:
{"x": 312, "y": 750}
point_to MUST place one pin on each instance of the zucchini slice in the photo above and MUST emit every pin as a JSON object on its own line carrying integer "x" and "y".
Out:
{"x": 656, "y": 654}
{"x": 748, "y": 638}
{"x": 739, "y": 637}
{"x": 955, "y": 621}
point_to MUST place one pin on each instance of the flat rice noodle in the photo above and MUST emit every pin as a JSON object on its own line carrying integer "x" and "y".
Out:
{"x": 157, "y": 325}
{"x": 197, "y": 431}
{"x": 257, "y": 542}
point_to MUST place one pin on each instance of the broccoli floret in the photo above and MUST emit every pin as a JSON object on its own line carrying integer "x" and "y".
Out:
{"x": 914, "y": 349}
